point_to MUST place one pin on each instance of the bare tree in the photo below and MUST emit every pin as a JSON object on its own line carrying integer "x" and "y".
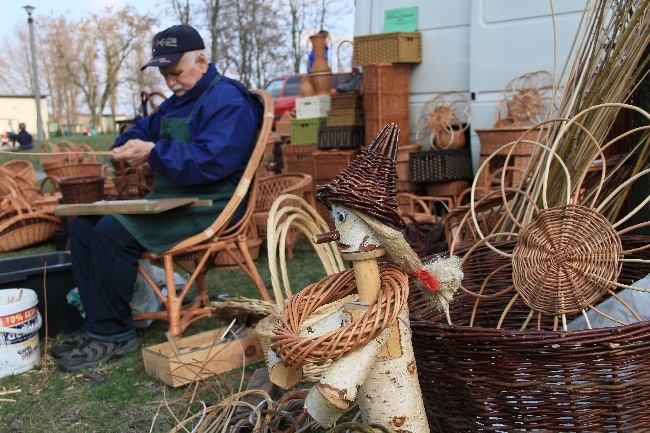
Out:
{"x": 94, "y": 63}
{"x": 181, "y": 10}
{"x": 102, "y": 45}
{"x": 56, "y": 38}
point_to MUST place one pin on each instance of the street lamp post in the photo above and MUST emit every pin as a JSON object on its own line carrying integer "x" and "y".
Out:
{"x": 37, "y": 90}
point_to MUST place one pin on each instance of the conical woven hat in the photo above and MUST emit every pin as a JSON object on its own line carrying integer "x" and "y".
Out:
{"x": 369, "y": 183}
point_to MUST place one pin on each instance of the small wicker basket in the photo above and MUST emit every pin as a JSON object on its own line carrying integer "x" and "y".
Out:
{"x": 86, "y": 189}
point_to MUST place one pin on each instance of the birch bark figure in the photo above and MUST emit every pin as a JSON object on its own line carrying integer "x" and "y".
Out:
{"x": 369, "y": 341}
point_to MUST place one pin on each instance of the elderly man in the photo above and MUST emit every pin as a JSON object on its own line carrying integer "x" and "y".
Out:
{"x": 198, "y": 143}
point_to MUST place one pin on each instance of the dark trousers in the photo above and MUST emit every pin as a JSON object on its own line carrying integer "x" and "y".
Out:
{"x": 105, "y": 267}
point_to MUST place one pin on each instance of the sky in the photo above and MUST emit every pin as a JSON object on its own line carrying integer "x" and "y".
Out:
{"x": 13, "y": 13}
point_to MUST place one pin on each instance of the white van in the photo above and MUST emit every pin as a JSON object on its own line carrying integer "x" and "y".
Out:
{"x": 478, "y": 46}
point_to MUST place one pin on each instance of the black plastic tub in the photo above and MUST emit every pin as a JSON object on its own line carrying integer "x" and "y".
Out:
{"x": 27, "y": 272}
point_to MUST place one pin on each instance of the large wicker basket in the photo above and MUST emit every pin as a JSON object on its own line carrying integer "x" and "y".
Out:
{"x": 21, "y": 226}
{"x": 491, "y": 376}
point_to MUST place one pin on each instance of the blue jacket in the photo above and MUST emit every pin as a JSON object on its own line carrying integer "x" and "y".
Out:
{"x": 222, "y": 131}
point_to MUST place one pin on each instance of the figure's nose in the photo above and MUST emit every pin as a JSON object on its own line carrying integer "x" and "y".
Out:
{"x": 322, "y": 238}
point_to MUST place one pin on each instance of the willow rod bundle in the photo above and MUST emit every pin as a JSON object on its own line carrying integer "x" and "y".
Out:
{"x": 607, "y": 67}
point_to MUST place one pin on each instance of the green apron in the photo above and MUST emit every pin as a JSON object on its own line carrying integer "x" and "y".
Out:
{"x": 159, "y": 232}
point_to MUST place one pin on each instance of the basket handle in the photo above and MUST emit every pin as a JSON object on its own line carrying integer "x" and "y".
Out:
{"x": 338, "y": 55}
{"x": 8, "y": 185}
{"x": 11, "y": 204}
{"x": 53, "y": 180}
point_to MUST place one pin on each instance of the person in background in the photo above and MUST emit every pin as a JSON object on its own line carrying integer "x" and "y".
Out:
{"x": 311, "y": 53}
{"x": 354, "y": 85}
{"x": 198, "y": 142}
{"x": 23, "y": 138}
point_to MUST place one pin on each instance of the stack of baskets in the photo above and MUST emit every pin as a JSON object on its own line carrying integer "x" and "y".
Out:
{"x": 70, "y": 161}
{"x": 386, "y": 88}
{"x": 345, "y": 123}
{"x": 26, "y": 214}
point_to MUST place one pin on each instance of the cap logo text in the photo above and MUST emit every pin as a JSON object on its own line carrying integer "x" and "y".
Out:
{"x": 165, "y": 42}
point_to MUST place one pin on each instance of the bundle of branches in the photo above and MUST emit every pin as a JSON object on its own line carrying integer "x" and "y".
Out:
{"x": 610, "y": 62}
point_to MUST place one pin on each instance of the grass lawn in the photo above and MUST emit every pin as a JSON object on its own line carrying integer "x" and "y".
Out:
{"x": 129, "y": 400}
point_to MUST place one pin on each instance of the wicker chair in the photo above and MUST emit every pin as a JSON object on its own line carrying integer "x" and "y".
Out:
{"x": 196, "y": 255}
{"x": 272, "y": 187}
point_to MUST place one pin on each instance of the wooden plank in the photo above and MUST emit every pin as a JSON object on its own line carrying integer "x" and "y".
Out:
{"x": 143, "y": 206}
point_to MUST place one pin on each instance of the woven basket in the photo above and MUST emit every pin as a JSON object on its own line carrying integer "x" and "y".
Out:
{"x": 47, "y": 202}
{"x": 341, "y": 101}
{"x": 492, "y": 139}
{"x": 341, "y": 137}
{"x": 330, "y": 163}
{"x": 398, "y": 47}
{"x": 22, "y": 226}
{"x": 491, "y": 376}
{"x": 441, "y": 166}
{"x": 283, "y": 126}
{"x": 87, "y": 189}
{"x": 75, "y": 170}
{"x": 299, "y": 158}
{"x": 264, "y": 330}
{"x": 22, "y": 171}
{"x": 345, "y": 117}
{"x": 56, "y": 159}
{"x": 77, "y": 152}
{"x": 447, "y": 189}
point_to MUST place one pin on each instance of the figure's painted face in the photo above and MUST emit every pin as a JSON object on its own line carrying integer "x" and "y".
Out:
{"x": 356, "y": 235}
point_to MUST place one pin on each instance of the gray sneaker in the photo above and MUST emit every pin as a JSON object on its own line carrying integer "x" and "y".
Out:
{"x": 95, "y": 352}
{"x": 66, "y": 347}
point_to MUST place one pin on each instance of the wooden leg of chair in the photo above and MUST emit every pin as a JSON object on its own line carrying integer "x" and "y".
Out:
{"x": 252, "y": 270}
{"x": 173, "y": 302}
{"x": 202, "y": 297}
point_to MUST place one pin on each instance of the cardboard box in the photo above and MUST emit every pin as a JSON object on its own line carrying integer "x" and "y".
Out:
{"x": 201, "y": 356}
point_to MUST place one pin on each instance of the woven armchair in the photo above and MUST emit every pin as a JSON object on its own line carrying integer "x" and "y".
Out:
{"x": 272, "y": 187}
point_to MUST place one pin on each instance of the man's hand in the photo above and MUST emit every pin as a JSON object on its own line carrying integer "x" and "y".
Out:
{"x": 133, "y": 152}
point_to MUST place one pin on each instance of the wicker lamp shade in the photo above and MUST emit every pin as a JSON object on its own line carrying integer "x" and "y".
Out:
{"x": 566, "y": 259}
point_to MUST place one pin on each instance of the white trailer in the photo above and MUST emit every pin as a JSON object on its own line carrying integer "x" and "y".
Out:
{"x": 477, "y": 46}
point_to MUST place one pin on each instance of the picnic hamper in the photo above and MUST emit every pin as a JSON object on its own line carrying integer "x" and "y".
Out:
{"x": 396, "y": 47}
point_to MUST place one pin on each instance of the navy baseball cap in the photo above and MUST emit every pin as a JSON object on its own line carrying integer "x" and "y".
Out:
{"x": 169, "y": 45}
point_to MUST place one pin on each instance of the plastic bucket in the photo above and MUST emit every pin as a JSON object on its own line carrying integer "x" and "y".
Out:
{"x": 19, "y": 325}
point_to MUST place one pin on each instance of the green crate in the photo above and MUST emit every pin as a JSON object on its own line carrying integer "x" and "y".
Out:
{"x": 305, "y": 131}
